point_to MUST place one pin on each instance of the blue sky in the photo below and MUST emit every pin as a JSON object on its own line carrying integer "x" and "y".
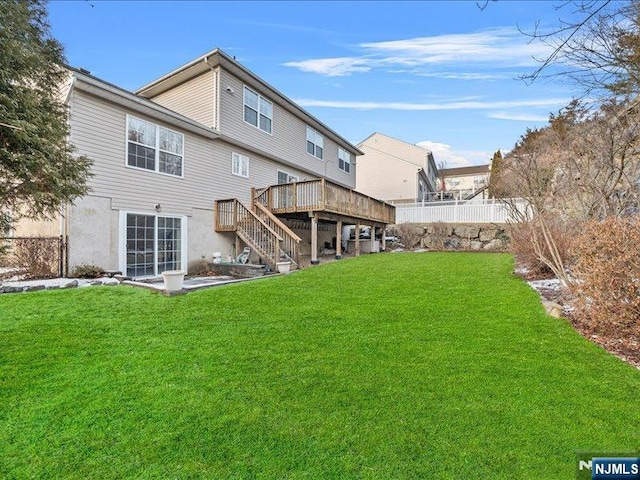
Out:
{"x": 441, "y": 74}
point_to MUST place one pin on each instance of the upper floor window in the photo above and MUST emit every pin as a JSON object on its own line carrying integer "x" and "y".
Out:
{"x": 344, "y": 160}
{"x": 240, "y": 165}
{"x": 285, "y": 177}
{"x": 314, "y": 143}
{"x": 153, "y": 147}
{"x": 257, "y": 110}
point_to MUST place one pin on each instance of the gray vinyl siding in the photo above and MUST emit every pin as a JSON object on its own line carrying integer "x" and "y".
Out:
{"x": 194, "y": 99}
{"x": 288, "y": 137}
{"x": 99, "y": 131}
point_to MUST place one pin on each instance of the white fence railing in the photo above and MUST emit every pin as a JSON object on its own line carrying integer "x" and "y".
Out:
{"x": 459, "y": 211}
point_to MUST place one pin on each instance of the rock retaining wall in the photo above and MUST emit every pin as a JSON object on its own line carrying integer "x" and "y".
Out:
{"x": 452, "y": 236}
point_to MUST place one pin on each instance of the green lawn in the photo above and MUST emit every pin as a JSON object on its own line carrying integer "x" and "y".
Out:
{"x": 387, "y": 366}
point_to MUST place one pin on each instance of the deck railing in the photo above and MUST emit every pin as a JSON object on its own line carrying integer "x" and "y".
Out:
{"x": 323, "y": 195}
{"x": 232, "y": 216}
{"x": 290, "y": 241}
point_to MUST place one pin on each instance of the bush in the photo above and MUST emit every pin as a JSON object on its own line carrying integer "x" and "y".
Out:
{"x": 607, "y": 268}
{"x": 532, "y": 252}
{"x": 37, "y": 255}
{"x": 87, "y": 271}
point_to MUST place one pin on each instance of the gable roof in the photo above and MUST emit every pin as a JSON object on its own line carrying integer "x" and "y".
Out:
{"x": 217, "y": 57}
{"x": 401, "y": 150}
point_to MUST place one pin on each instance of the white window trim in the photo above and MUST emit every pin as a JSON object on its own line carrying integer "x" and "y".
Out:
{"x": 289, "y": 175}
{"x": 348, "y": 154}
{"x": 240, "y": 158}
{"x": 259, "y": 98}
{"x": 316, "y": 135}
{"x": 122, "y": 234}
{"x": 157, "y": 148}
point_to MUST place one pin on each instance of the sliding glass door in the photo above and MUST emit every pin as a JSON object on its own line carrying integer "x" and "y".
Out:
{"x": 153, "y": 244}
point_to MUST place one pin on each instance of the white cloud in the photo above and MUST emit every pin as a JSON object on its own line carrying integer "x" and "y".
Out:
{"x": 462, "y": 75}
{"x": 495, "y": 48}
{"x": 451, "y": 105}
{"x": 445, "y": 154}
{"x": 506, "y": 46}
{"x": 520, "y": 117}
{"x": 332, "y": 67}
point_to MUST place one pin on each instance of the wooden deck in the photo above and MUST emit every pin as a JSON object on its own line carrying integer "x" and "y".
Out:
{"x": 323, "y": 196}
{"x": 315, "y": 201}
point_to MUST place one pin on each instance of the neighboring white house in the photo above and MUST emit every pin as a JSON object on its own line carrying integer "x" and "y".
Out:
{"x": 395, "y": 171}
{"x": 165, "y": 154}
{"x": 464, "y": 182}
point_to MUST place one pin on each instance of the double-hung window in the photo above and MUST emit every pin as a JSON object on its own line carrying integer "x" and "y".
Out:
{"x": 153, "y": 147}
{"x": 258, "y": 111}
{"x": 240, "y": 165}
{"x": 314, "y": 143}
{"x": 344, "y": 160}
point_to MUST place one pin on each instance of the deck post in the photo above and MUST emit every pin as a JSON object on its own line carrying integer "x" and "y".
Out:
{"x": 339, "y": 240}
{"x": 357, "y": 239}
{"x": 373, "y": 238}
{"x": 383, "y": 243}
{"x": 314, "y": 241}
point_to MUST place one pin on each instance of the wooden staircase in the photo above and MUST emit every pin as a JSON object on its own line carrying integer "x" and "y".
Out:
{"x": 271, "y": 239}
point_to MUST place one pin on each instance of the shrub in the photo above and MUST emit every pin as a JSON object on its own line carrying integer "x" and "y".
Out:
{"x": 37, "y": 255}
{"x": 607, "y": 268}
{"x": 528, "y": 244}
{"x": 87, "y": 271}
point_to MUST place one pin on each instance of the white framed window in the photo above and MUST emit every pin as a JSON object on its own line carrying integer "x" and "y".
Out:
{"x": 315, "y": 143}
{"x": 155, "y": 148}
{"x": 240, "y": 165}
{"x": 344, "y": 160}
{"x": 152, "y": 244}
{"x": 258, "y": 111}
{"x": 286, "y": 177}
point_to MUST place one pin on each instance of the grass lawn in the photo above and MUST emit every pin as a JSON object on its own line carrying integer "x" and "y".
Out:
{"x": 387, "y": 366}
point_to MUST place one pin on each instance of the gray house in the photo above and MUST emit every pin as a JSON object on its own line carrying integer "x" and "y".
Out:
{"x": 208, "y": 158}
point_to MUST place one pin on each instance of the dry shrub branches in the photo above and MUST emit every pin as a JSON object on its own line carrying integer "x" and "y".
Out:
{"x": 608, "y": 272}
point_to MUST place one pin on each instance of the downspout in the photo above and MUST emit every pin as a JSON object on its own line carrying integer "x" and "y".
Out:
{"x": 66, "y": 207}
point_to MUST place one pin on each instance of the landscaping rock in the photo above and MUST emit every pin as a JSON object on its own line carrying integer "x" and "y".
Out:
{"x": 12, "y": 289}
{"x": 475, "y": 245}
{"x": 71, "y": 284}
{"x": 33, "y": 288}
{"x": 488, "y": 234}
{"x": 111, "y": 282}
{"x": 552, "y": 308}
{"x": 452, "y": 242}
{"x": 495, "y": 244}
{"x": 466, "y": 231}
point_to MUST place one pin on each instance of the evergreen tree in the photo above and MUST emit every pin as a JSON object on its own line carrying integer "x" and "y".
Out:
{"x": 38, "y": 171}
{"x": 497, "y": 166}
